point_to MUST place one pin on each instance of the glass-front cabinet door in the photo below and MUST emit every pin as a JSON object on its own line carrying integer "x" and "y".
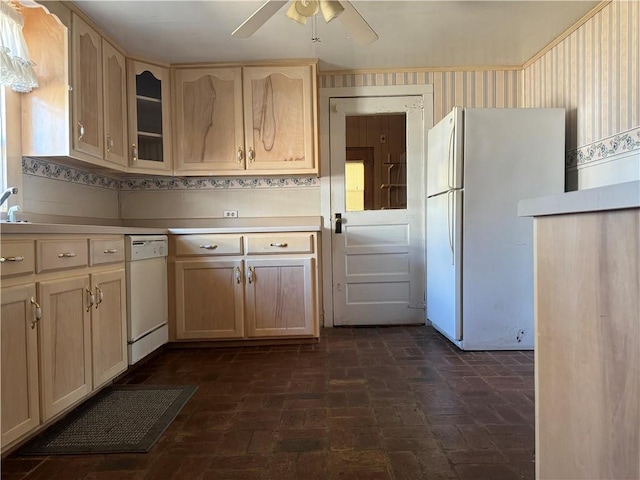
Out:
{"x": 149, "y": 118}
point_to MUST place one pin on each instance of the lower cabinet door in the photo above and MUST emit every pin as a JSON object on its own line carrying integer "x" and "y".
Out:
{"x": 19, "y": 367}
{"x": 280, "y": 297}
{"x": 109, "y": 326}
{"x": 65, "y": 343}
{"x": 209, "y": 299}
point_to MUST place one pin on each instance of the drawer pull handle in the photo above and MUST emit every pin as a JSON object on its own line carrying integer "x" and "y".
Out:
{"x": 280, "y": 245}
{"x": 252, "y": 155}
{"x": 38, "y": 313}
{"x": 240, "y": 155}
{"x": 209, "y": 247}
{"x": 110, "y": 250}
{"x": 17, "y": 258}
{"x": 250, "y": 275}
{"x": 134, "y": 152}
{"x": 238, "y": 275}
{"x": 66, "y": 255}
{"x": 81, "y": 131}
{"x": 92, "y": 299}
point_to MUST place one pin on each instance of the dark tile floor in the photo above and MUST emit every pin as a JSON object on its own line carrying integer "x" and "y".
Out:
{"x": 366, "y": 403}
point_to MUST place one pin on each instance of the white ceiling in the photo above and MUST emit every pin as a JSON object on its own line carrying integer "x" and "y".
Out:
{"x": 412, "y": 33}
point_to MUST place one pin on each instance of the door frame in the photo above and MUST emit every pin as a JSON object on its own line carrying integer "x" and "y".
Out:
{"x": 324, "y": 106}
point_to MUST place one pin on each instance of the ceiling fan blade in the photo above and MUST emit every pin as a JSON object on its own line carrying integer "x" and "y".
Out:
{"x": 358, "y": 28}
{"x": 259, "y": 17}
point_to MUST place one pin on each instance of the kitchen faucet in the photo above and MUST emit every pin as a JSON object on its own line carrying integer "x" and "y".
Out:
{"x": 7, "y": 193}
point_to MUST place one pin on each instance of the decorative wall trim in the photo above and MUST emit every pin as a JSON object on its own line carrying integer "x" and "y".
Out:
{"x": 38, "y": 167}
{"x": 619, "y": 144}
{"x": 209, "y": 183}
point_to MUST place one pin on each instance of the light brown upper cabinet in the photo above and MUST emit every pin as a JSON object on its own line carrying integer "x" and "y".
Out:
{"x": 78, "y": 109}
{"x": 245, "y": 120}
{"x": 86, "y": 72}
{"x": 149, "y": 118}
{"x": 115, "y": 104}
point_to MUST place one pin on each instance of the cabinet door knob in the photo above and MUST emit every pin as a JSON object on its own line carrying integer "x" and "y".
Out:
{"x": 17, "y": 258}
{"x": 134, "y": 152}
{"x": 250, "y": 275}
{"x": 38, "y": 313}
{"x": 92, "y": 298}
{"x": 239, "y": 155}
{"x": 251, "y": 155}
{"x": 99, "y": 296}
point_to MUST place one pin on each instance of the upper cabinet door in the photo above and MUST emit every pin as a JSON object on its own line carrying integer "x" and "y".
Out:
{"x": 209, "y": 136}
{"x": 115, "y": 105}
{"x": 149, "y": 118}
{"x": 279, "y": 119}
{"x": 86, "y": 55}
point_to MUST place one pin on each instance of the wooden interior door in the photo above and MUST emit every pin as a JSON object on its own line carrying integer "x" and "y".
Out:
{"x": 378, "y": 255}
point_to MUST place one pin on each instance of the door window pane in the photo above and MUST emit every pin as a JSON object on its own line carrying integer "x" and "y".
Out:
{"x": 376, "y": 162}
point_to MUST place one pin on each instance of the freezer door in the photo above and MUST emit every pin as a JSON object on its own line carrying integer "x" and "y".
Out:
{"x": 444, "y": 154}
{"x": 444, "y": 259}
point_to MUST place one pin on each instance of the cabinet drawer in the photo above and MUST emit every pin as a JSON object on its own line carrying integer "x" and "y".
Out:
{"x": 208, "y": 245}
{"x": 280, "y": 243}
{"x": 60, "y": 254}
{"x": 18, "y": 257}
{"x": 106, "y": 250}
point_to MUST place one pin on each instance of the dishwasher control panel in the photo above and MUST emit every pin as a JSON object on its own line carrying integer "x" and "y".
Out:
{"x": 141, "y": 247}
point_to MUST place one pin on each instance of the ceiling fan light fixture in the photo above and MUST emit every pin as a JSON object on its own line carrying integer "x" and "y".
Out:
{"x": 330, "y": 9}
{"x": 293, "y": 14}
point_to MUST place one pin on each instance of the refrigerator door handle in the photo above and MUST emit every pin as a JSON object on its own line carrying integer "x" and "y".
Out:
{"x": 450, "y": 198}
{"x": 449, "y": 157}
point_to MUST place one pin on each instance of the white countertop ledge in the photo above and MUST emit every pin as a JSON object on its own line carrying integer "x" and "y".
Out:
{"x": 610, "y": 197}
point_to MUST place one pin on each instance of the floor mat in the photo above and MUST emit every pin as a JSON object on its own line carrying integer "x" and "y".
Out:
{"x": 119, "y": 419}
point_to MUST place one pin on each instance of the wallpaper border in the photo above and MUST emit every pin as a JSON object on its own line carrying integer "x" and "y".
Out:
{"x": 606, "y": 148}
{"x": 43, "y": 168}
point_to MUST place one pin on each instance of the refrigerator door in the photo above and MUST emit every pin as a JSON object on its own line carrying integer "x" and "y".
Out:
{"x": 444, "y": 154}
{"x": 444, "y": 259}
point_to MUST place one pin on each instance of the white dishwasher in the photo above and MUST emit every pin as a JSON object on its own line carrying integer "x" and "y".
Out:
{"x": 146, "y": 269}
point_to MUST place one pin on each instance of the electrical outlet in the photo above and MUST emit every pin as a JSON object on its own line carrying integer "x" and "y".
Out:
{"x": 383, "y": 138}
{"x": 230, "y": 214}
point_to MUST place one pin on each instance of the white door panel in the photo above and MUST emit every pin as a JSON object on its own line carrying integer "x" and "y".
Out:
{"x": 444, "y": 263}
{"x": 378, "y": 259}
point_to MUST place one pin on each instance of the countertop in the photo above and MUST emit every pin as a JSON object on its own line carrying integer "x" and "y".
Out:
{"x": 611, "y": 197}
{"x": 219, "y": 225}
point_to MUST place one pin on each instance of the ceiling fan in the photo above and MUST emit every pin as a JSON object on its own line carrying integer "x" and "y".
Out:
{"x": 300, "y": 10}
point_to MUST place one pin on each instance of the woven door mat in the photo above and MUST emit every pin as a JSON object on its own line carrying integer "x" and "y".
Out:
{"x": 119, "y": 419}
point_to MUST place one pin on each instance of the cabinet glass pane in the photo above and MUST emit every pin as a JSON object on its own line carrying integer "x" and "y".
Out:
{"x": 149, "y": 116}
{"x": 150, "y": 148}
{"x": 148, "y": 86}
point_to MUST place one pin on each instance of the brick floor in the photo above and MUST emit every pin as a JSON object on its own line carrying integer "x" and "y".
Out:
{"x": 395, "y": 403}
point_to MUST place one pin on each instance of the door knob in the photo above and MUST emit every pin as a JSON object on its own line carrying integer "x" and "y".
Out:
{"x": 338, "y": 223}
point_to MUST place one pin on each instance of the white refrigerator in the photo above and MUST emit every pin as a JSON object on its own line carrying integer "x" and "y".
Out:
{"x": 479, "y": 253}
